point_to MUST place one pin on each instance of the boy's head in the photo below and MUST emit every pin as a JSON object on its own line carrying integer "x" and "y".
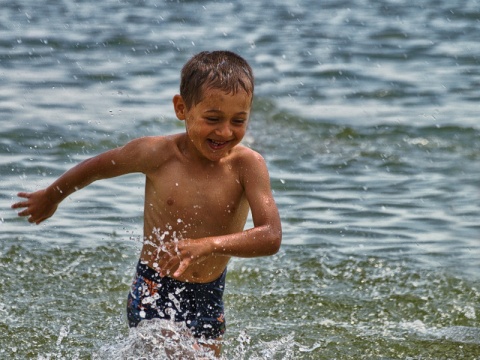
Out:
{"x": 222, "y": 70}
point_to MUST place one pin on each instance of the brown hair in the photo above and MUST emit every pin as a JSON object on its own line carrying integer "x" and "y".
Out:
{"x": 223, "y": 70}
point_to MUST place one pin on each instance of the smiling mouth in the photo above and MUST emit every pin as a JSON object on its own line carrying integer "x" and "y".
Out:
{"x": 217, "y": 145}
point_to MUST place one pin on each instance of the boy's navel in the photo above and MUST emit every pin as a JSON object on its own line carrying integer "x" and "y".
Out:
{"x": 170, "y": 201}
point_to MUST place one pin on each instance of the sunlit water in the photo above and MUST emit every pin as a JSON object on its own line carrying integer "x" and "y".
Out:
{"x": 367, "y": 115}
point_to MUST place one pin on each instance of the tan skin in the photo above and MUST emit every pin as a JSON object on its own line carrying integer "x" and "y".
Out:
{"x": 199, "y": 188}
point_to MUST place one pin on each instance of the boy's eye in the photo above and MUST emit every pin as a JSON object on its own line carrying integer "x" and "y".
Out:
{"x": 212, "y": 118}
{"x": 239, "y": 121}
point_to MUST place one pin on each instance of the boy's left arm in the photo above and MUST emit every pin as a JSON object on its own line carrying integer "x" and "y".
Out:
{"x": 262, "y": 240}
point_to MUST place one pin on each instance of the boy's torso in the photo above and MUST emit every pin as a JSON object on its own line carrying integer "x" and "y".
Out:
{"x": 185, "y": 199}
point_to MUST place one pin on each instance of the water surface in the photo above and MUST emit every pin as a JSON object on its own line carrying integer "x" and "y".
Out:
{"x": 367, "y": 115}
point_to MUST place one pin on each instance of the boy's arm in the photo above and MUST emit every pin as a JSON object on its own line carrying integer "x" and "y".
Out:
{"x": 42, "y": 204}
{"x": 266, "y": 235}
{"x": 262, "y": 240}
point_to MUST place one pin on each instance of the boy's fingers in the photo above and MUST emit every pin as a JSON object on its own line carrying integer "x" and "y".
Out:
{"x": 23, "y": 213}
{"x": 168, "y": 263}
{"x": 183, "y": 266}
{"x": 37, "y": 221}
{"x": 19, "y": 205}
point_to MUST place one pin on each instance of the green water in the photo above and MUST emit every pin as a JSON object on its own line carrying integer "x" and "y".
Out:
{"x": 69, "y": 302}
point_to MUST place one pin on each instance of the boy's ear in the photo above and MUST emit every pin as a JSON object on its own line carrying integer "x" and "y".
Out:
{"x": 179, "y": 106}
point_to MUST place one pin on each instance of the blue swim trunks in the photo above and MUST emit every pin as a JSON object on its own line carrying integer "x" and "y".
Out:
{"x": 198, "y": 305}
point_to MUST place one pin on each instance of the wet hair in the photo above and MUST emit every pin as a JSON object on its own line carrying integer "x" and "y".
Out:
{"x": 222, "y": 70}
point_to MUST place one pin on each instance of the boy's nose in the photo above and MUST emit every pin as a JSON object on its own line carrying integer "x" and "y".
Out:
{"x": 224, "y": 131}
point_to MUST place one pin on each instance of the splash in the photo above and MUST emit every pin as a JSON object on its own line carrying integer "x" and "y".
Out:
{"x": 242, "y": 348}
{"x": 162, "y": 339}
{"x": 156, "y": 339}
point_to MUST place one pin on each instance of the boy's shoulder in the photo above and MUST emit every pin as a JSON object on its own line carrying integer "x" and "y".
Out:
{"x": 246, "y": 157}
{"x": 152, "y": 151}
{"x": 158, "y": 142}
{"x": 244, "y": 152}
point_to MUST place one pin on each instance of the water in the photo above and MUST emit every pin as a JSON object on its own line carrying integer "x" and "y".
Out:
{"x": 367, "y": 115}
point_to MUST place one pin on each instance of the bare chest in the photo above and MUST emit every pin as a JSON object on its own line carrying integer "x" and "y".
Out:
{"x": 199, "y": 202}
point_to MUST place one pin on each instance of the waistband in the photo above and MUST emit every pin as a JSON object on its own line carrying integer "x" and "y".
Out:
{"x": 147, "y": 272}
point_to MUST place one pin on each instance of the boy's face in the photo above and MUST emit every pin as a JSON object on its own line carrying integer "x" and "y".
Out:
{"x": 217, "y": 123}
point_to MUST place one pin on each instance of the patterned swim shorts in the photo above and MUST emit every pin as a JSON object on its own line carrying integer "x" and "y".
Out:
{"x": 198, "y": 305}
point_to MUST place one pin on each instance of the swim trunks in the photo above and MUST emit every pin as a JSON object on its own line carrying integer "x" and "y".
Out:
{"x": 198, "y": 305}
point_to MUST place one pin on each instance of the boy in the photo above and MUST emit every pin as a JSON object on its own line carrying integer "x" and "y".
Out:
{"x": 199, "y": 188}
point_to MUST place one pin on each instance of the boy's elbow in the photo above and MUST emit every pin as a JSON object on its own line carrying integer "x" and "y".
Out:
{"x": 276, "y": 242}
{"x": 274, "y": 249}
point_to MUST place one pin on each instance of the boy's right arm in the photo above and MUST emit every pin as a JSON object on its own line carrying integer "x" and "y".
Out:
{"x": 42, "y": 204}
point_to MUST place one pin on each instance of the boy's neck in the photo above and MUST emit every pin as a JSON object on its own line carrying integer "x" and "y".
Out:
{"x": 191, "y": 154}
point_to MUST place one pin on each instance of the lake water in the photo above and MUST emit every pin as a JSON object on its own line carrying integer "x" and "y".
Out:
{"x": 367, "y": 115}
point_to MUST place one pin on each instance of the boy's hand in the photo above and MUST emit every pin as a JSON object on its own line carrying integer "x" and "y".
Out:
{"x": 177, "y": 256}
{"x": 38, "y": 206}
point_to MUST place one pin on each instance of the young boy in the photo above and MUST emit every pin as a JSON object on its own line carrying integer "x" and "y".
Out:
{"x": 200, "y": 185}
